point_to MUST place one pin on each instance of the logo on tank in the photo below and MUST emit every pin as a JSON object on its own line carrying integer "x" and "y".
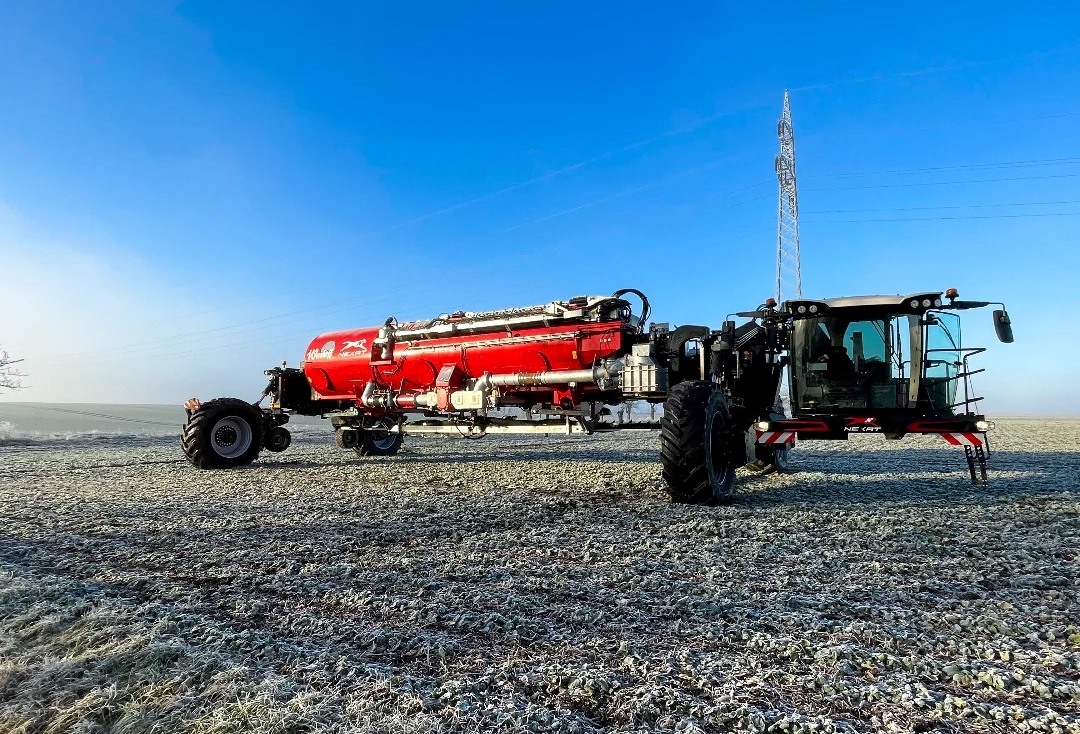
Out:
{"x": 327, "y": 352}
{"x": 353, "y": 348}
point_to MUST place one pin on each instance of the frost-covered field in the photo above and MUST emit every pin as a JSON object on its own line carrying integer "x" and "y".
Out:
{"x": 521, "y": 585}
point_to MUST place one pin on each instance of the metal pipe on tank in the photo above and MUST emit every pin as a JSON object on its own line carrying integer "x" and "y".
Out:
{"x": 555, "y": 377}
{"x": 402, "y": 400}
{"x": 424, "y": 400}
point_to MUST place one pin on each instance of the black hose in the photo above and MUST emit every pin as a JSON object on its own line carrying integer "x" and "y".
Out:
{"x": 646, "y": 311}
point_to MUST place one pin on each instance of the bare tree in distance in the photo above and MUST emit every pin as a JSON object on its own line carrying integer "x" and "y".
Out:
{"x": 10, "y": 377}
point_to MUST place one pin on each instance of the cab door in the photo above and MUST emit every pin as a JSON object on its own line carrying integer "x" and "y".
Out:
{"x": 941, "y": 359}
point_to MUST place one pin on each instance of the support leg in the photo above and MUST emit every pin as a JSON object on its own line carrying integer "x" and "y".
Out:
{"x": 976, "y": 457}
{"x": 969, "y": 454}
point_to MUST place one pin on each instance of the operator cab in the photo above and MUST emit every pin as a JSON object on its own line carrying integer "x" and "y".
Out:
{"x": 879, "y": 355}
{"x": 892, "y": 365}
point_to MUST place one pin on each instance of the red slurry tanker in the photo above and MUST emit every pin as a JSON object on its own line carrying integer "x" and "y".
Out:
{"x": 560, "y": 364}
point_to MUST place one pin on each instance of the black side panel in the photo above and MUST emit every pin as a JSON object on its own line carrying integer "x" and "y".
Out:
{"x": 296, "y": 394}
{"x": 758, "y": 378}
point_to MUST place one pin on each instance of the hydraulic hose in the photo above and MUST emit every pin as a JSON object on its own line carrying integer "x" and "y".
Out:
{"x": 646, "y": 310}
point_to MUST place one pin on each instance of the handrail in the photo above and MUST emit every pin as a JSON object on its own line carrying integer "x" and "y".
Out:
{"x": 967, "y": 402}
{"x": 968, "y": 390}
{"x": 971, "y": 351}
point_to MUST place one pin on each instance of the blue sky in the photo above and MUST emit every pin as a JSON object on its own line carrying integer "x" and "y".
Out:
{"x": 190, "y": 191}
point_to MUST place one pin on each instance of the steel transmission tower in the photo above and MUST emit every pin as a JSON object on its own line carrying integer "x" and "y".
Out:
{"x": 788, "y": 267}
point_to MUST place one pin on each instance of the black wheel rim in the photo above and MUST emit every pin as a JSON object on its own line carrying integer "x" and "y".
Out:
{"x": 382, "y": 438}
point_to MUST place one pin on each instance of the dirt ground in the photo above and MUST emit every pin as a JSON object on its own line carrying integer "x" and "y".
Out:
{"x": 539, "y": 585}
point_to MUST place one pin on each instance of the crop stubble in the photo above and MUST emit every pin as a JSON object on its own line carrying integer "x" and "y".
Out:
{"x": 539, "y": 585}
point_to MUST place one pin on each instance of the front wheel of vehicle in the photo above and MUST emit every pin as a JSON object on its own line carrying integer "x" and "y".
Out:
{"x": 222, "y": 433}
{"x": 696, "y": 445}
{"x": 769, "y": 459}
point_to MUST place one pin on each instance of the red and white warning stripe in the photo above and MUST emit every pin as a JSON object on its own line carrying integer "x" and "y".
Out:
{"x": 964, "y": 439}
{"x": 774, "y": 437}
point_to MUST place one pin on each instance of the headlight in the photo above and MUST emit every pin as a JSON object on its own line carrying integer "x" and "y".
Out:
{"x": 937, "y": 303}
{"x": 801, "y": 309}
{"x": 914, "y": 302}
{"x": 926, "y": 303}
{"x": 984, "y": 425}
{"x": 761, "y": 426}
{"x": 813, "y": 308}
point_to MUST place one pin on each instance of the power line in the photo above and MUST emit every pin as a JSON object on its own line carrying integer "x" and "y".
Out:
{"x": 276, "y": 319}
{"x": 943, "y": 206}
{"x": 629, "y": 192}
{"x": 198, "y": 339}
{"x": 762, "y": 102}
{"x": 935, "y": 219}
{"x": 964, "y": 167}
{"x": 203, "y": 335}
{"x": 671, "y": 177}
{"x": 944, "y": 183}
{"x": 215, "y": 331}
{"x": 168, "y": 347}
{"x": 187, "y": 339}
{"x": 192, "y": 343}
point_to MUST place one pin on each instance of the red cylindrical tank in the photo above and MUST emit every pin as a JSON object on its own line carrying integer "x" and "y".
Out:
{"x": 408, "y": 358}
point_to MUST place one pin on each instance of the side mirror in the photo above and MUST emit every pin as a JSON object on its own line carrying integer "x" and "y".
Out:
{"x": 1003, "y": 326}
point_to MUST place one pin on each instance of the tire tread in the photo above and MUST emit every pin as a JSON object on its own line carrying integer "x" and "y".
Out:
{"x": 682, "y": 443}
{"x": 194, "y": 438}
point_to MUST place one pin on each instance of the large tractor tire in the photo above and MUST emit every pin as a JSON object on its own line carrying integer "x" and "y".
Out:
{"x": 379, "y": 442}
{"x": 697, "y": 445}
{"x": 223, "y": 433}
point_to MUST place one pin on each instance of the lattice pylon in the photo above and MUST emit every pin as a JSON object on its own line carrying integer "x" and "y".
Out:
{"x": 788, "y": 261}
{"x": 788, "y": 266}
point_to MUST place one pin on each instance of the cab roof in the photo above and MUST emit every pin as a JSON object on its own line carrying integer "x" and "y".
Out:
{"x": 885, "y": 300}
{"x": 914, "y": 303}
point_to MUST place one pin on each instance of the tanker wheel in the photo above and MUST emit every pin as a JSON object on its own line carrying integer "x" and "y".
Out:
{"x": 380, "y": 441}
{"x": 339, "y": 439}
{"x": 696, "y": 445}
{"x": 223, "y": 433}
{"x": 769, "y": 459}
{"x": 277, "y": 439}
